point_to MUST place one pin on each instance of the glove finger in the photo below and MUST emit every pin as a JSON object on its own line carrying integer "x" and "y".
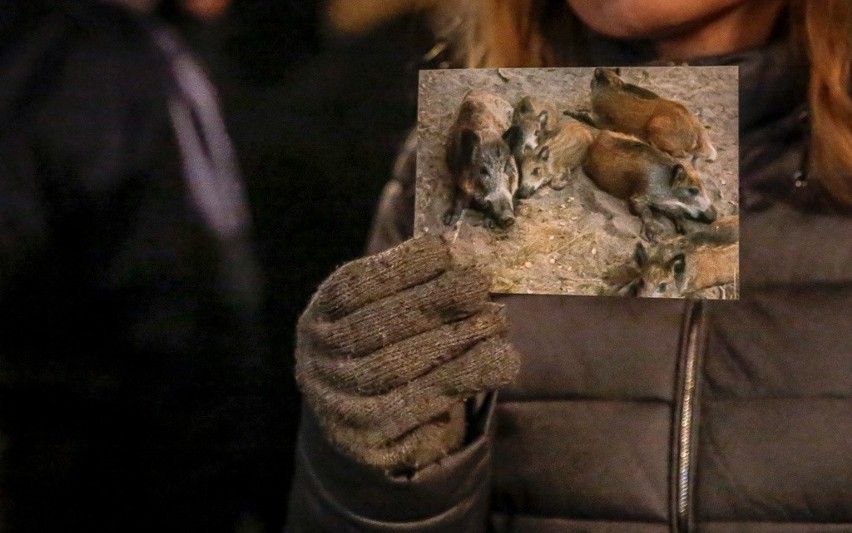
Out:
{"x": 422, "y": 446}
{"x": 399, "y": 363}
{"x": 487, "y": 365}
{"x": 372, "y": 420}
{"x": 451, "y": 296}
{"x": 366, "y": 280}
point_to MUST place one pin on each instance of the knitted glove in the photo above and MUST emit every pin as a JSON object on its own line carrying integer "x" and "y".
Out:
{"x": 391, "y": 346}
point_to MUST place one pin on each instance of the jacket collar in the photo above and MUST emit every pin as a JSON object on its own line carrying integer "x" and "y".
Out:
{"x": 773, "y": 82}
{"x": 773, "y": 78}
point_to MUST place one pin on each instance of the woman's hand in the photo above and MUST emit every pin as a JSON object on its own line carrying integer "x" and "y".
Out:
{"x": 391, "y": 346}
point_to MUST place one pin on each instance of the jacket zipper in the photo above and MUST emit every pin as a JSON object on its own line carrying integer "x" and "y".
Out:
{"x": 686, "y": 417}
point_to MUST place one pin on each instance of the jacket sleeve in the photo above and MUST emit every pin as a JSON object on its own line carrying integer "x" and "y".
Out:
{"x": 394, "y": 218}
{"x": 332, "y": 492}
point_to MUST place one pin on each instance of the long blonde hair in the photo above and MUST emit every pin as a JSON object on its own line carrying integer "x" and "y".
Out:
{"x": 824, "y": 27}
{"x": 538, "y": 33}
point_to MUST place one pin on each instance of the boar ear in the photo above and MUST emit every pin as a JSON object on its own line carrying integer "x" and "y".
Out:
{"x": 525, "y": 106}
{"x": 468, "y": 143}
{"x": 677, "y": 264}
{"x": 544, "y": 155}
{"x": 679, "y": 176}
{"x": 512, "y": 137}
{"x": 640, "y": 255}
{"x": 542, "y": 118}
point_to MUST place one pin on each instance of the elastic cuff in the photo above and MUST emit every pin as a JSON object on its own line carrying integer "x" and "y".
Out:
{"x": 333, "y": 491}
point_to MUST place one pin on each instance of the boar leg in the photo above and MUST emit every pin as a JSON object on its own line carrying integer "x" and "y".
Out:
{"x": 559, "y": 182}
{"x": 651, "y": 227}
{"x": 706, "y": 147}
{"x": 583, "y": 116}
{"x": 664, "y": 133}
{"x": 454, "y": 212}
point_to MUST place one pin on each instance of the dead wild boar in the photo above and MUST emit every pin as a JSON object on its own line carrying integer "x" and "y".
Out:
{"x": 556, "y": 158}
{"x": 649, "y": 180}
{"x": 664, "y": 123}
{"x": 700, "y": 260}
{"x": 532, "y": 121}
{"x": 484, "y": 173}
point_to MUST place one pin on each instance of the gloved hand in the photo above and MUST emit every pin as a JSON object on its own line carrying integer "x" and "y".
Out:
{"x": 391, "y": 346}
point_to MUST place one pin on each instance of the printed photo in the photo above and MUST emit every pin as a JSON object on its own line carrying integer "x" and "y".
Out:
{"x": 585, "y": 181}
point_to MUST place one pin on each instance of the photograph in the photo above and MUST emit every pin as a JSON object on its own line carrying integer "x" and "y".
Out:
{"x": 601, "y": 181}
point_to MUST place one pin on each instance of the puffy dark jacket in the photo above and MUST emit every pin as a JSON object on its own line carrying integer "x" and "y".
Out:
{"x": 634, "y": 415}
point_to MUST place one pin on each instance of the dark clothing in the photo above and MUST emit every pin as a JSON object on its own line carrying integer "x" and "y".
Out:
{"x": 642, "y": 415}
{"x": 133, "y": 380}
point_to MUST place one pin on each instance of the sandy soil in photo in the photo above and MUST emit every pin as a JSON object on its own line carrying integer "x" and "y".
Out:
{"x": 574, "y": 240}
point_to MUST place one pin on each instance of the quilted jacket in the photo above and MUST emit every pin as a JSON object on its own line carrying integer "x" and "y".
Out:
{"x": 636, "y": 415}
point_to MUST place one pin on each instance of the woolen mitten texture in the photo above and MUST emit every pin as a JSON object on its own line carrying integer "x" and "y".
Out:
{"x": 391, "y": 346}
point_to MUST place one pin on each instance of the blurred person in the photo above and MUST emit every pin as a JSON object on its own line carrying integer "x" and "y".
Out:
{"x": 613, "y": 414}
{"x": 135, "y": 382}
